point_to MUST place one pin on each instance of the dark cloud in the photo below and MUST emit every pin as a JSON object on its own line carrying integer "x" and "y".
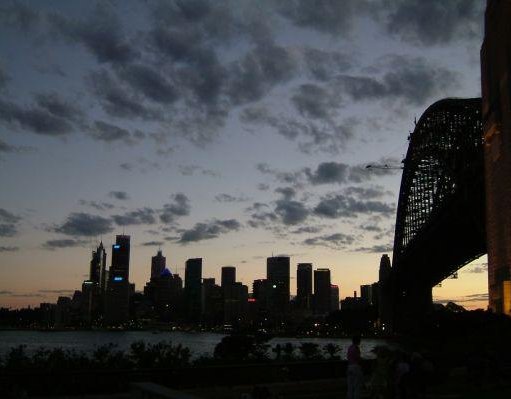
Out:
{"x": 116, "y": 100}
{"x": 100, "y": 206}
{"x": 325, "y": 135}
{"x": 84, "y": 224}
{"x": 283, "y": 177}
{"x": 367, "y": 192}
{"x": 378, "y": 248}
{"x": 8, "y": 230}
{"x": 209, "y": 230}
{"x": 262, "y": 68}
{"x": 411, "y": 80}
{"x": 324, "y": 65}
{"x": 7, "y": 148}
{"x": 152, "y": 244}
{"x": 33, "y": 119}
{"x": 328, "y": 172}
{"x": 477, "y": 269}
{"x": 261, "y": 215}
{"x": 434, "y": 22}
{"x": 263, "y": 187}
{"x": 101, "y": 34}
{"x": 336, "y": 240}
{"x": 119, "y": 195}
{"x": 230, "y": 198}
{"x": 8, "y": 223}
{"x": 62, "y": 292}
{"x": 3, "y": 79}
{"x": 336, "y": 206}
{"x": 190, "y": 170}
{"x": 179, "y": 207}
{"x": 150, "y": 83}
{"x": 328, "y": 16}
{"x": 307, "y": 230}
{"x": 483, "y": 297}
{"x": 361, "y": 173}
{"x": 19, "y": 16}
{"x": 8, "y": 217}
{"x": 8, "y": 248}
{"x": 139, "y": 216}
{"x": 286, "y": 192}
{"x": 58, "y": 107}
{"x": 5, "y": 292}
{"x": 291, "y": 212}
{"x": 313, "y": 101}
{"x": 64, "y": 243}
{"x": 109, "y": 133}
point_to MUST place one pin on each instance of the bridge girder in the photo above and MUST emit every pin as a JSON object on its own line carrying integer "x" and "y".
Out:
{"x": 440, "y": 216}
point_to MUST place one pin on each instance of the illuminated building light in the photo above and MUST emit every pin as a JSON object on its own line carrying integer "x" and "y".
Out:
{"x": 118, "y": 279}
{"x": 117, "y": 246}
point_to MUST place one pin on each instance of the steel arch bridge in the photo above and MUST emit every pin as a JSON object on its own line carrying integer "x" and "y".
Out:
{"x": 440, "y": 223}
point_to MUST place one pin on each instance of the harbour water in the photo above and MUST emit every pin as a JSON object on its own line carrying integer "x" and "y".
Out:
{"x": 200, "y": 343}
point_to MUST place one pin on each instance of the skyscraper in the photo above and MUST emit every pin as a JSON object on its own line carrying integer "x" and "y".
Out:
{"x": 496, "y": 115}
{"x": 322, "y": 291}
{"x": 228, "y": 276}
{"x": 277, "y": 272}
{"x": 366, "y": 294}
{"x": 118, "y": 287}
{"x": 98, "y": 266}
{"x": 304, "y": 285}
{"x": 334, "y": 295}
{"x": 193, "y": 288}
{"x": 120, "y": 268}
{"x": 158, "y": 264}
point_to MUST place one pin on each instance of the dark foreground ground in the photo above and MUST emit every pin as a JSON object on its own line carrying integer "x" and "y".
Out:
{"x": 464, "y": 355}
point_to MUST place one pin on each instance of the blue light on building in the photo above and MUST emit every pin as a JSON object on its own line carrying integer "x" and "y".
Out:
{"x": 118, "y": 278}
{"x": 117, "y": 246}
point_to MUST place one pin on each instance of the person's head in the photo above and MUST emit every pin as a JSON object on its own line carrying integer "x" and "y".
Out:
{"x": 356, "y": 340}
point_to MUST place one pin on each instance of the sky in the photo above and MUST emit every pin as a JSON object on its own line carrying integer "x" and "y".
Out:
{"x": 227, "y": 130}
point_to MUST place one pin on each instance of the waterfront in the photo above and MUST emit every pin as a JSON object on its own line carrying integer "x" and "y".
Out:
{"x": 198, "y": 342}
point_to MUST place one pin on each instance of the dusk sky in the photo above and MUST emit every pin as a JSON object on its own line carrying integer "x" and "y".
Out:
{"x": 227, "y": 130}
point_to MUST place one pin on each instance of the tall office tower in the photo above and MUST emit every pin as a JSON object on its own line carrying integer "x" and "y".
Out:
{"x": 193, "y": 288}
{"x": 118, "y": 287}
{"x": 228, "y": 275}
{"x": 236, "y": 304}
{"x": 157, "y": 264}
{"x": 98, "y": 266}
{"x": 366, "y": 294}
{"x": 212, "y": 302}
{"x": 496, "y": 115}
{"x": 304, "y": 285}
{"x": 334, "y": 296}
{"x": 322, "y": 291}
{"x": 120, "y": 267}
{"x": 385, "y": 300}
{"x": 277, "y": 274}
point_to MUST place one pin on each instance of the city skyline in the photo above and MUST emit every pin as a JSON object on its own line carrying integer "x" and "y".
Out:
{"x": 106, "y": 127}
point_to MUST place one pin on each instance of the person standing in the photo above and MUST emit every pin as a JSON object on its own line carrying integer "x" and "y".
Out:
{"x": 355, "y": 375}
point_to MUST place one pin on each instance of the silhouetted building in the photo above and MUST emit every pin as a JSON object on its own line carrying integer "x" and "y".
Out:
{"x": 385, "y": 312}
{"x": 496, "y": 114}
{"x": 118, "y": 287}
{"x": 304, "y": 285}
{"x": 212, "y": 302}
{"x": 277, "y": 274}
{"x": 366, "y": 294}
{"x": 158, "y": 264}
{"x": 97, "y": 272}
{"x": 334, "y": 295}
{"x": 228, "y": 276}
{"x": 235, "y": 303}
{"x": 193, "y": 288}
{"x": 90, "y": 301}
{"x": 322, "y": 291}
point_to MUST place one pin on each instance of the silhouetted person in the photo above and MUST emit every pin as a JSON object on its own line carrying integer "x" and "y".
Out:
{"x": 354, "y": 375}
